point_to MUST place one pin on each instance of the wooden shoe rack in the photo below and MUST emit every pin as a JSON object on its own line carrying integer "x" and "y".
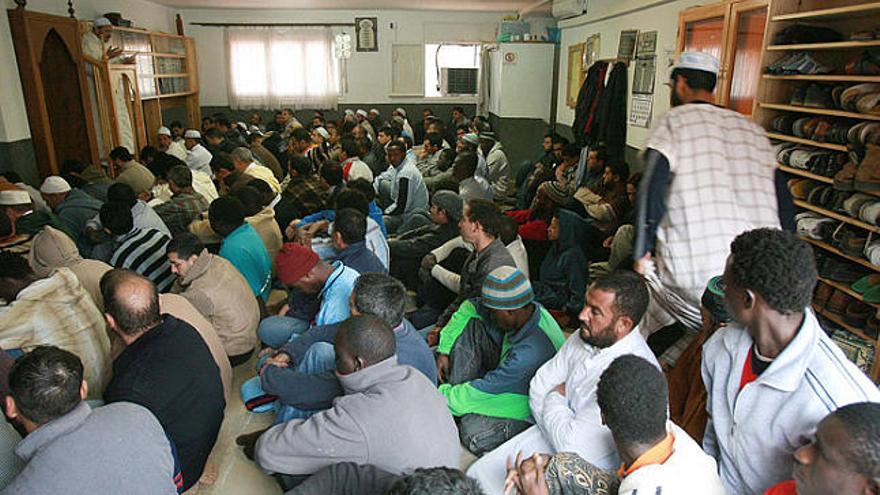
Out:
{"x": 773, "y": 99}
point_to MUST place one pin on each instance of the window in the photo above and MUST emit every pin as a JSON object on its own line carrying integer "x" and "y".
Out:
{"x": 267, "y": 68}
{"x": 439, "y": 56}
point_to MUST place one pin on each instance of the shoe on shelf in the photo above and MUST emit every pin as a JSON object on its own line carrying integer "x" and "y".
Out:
{"x": 854, "y": 203}
{"x": 838, "y": 302}
{"x": 870, "y": 212}
{"x": 850, "y": 240}
{"x": 872, "y": 252}
{"x": 822, "y": 294}
{"x": 872, "y": 327}
{"x": 819, "y": 96}
{"x": 867, "y": 177}
{"x": 798, "y": 96}
{"x": 857, "y": 313}
{"x": 841, "y": 271}
{"x": 845, "y": 179}
{"x": 865, "y": 283}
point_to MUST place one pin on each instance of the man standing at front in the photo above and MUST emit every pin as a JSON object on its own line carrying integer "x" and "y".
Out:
{"x": 709, "y": 176}
{"x": 562, "y": 395}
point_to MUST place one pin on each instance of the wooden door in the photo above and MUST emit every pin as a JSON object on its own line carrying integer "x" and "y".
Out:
{"x": 743, "y": 55}
{"x": 705, "y": 29}
{"x": 64, "y": 103}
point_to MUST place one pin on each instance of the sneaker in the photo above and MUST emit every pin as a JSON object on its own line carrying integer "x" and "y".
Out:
{"x": 867, "y": 178}
{"x": 854, "y": 203}
{"x": 870, "y": 213}
{"x": 872, "y": 252}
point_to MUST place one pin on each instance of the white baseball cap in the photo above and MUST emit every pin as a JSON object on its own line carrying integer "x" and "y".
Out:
{"x": 10, "y": 197}
{"x": 164, "y": 131}
{"x": 192, "y": 134}
{"x": 54, "y": 185}
{"x": 102, "y": 21}
{"x": 697, "y": 61}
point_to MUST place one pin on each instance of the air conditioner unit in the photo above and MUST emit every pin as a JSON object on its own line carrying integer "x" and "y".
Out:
{"x": 563, "y": 9}
{"x": 455, "y": 82}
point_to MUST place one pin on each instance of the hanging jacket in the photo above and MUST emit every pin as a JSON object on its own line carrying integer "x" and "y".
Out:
{"x": 587, "y": 101}
{"x": 611, "y": 121}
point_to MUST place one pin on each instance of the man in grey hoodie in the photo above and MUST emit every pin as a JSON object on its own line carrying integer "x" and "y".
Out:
{"x": 382, "y": 419}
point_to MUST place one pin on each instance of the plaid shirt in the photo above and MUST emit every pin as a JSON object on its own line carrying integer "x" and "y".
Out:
{"x": 306, "y": 194}
{"x": 183, "y": 208}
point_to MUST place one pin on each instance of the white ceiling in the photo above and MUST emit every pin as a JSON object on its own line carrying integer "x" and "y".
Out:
{"x": 467, "y": 5}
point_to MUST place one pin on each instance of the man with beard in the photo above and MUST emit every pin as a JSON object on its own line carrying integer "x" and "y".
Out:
{"x": 562, "y": 395}
{"x": 709, "y": 176}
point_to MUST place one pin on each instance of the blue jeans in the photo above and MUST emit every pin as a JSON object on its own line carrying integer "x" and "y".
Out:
{"x": 320, "y": 357}
{"x": 275, "y": 331}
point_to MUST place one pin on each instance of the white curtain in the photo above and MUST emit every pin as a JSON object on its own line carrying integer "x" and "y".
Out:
{"x": 271, "y": 68}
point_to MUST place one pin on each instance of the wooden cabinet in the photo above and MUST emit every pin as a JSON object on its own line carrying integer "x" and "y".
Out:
{"x": 47, "y": 48}
{"x": 162, "y": 78}
{"x": 734, "y": 33}
{"x": 775, "y": 99}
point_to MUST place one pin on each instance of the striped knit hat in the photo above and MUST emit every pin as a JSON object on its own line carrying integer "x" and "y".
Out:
{"x": 507, "y": 288}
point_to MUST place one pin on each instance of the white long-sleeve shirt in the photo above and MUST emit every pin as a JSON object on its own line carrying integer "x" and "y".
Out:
{"x": 569, "y": 423}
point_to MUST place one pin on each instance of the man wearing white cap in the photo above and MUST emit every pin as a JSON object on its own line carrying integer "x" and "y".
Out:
{"x": 169, "y": 145}
{"x": 361, "y": 116}
{"x": 198, "y": 158}
{"x": 471, "y": 142}
{"x": 709, "y": 176}
{"x": 96, "y": 49}
{"x": 17, "y": 205}
{"x": 400, "y": 112}
{"x": 73, "y": 206}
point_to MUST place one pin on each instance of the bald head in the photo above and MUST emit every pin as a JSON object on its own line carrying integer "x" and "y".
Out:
{"x": 131, "y": 302}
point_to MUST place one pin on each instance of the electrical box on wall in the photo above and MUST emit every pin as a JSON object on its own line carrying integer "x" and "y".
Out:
{"x": 454, "y": 82}
{"x": 563, "y": 9}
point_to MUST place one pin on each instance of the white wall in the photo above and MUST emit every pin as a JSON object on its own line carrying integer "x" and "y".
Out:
{"x": 13, "y": 114}
{"x": 369, "y": 73}
{"x": 608, "y": 18}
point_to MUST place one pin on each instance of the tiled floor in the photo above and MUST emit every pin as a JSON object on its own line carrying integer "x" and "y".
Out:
{"x": 236, "y": 475}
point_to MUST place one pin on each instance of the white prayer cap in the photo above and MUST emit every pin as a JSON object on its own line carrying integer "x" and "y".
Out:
{"x": 401, "y": 111}
{"x": 54, "y": 185}
{"x": 373, "y": 110}
{"x": 11, "y": 197}
{"x": 242, "y": 125}
{"x": 322, "y": 132}
{"x": 697, "y": 61}
{"x": 362, "y": 112}
{"x": 254, "y": 129}
{"x": 164, "y": 131}
{"x": 349, "y": 111}
{"x": 102, "y": 21}
{"x": 192, "y": 134}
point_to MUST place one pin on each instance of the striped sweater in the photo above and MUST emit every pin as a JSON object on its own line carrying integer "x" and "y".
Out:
{"x": 143, "y": 251}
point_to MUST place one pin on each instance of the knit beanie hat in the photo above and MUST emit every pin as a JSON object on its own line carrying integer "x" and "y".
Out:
{"x": 294, "y": 262}
{"x": 506, "y": 288}
{"x": 449, "y": 202}
{"x": 713, "y": 300}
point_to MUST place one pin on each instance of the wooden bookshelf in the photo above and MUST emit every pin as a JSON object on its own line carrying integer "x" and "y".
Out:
{"x": 831, "y": 249}
{"x": 831, "y": 14}
{"x": 833, "y": 45}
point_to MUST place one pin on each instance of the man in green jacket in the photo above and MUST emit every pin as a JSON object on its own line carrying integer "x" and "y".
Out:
{"x": 488, "y": 353}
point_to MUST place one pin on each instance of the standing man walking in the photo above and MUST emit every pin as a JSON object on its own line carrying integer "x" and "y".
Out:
{"x": 709, "y": 176}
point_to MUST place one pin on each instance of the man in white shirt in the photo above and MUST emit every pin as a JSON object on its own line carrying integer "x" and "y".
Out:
{"x": 169, "y": 145}
{"x": 353, "y": 167}
{"x": 197, "y": 156}
{"x": 773, "y": 374}
{"x": 470, "y": 186}
{"x": 656, "y": 455}
{"x": 562, "y": 394}
{"x": 244, "y": 162}
{"x": 497, "y": 165}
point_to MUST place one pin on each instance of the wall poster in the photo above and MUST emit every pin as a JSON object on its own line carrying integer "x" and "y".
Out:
{"x": 367, "y": 34}
{"x": 576, "y": 73}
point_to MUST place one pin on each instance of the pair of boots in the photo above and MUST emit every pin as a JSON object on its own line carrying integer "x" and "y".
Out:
{"x": 860, "y": 173}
